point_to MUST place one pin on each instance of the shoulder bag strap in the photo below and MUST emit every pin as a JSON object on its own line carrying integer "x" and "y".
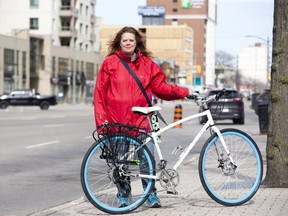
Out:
{"x": 136, "y": 79}
{"x": 140, "y": 85}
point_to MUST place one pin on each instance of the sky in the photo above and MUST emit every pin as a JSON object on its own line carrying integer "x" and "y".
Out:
{"x": 236, "y": 19}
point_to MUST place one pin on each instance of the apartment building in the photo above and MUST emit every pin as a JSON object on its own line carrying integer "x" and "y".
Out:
{"x": 53, "y": 43}
{"x": 200, "y": 15}
{"x": 253, "y": 66}
{"x": 172, "y": 47}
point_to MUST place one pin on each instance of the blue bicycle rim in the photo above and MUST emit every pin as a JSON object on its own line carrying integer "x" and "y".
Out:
{"x": 259, "y": 168}
{"x": 146, "y": 191}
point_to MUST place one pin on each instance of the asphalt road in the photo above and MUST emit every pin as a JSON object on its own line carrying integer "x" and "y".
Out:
{"x": 41, "y": 151}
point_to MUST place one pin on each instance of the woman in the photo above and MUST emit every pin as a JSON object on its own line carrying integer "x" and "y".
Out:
{"x": 116, "y": 91}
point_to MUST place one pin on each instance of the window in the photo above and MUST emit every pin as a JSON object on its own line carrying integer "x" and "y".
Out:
{"x": 24, "y": 65}
{"x": 90, "y": 71}
{"x": 87, "y": 11}
{"x": 175, "y": 1}
{"x": 81, "y": 8}
{"x": 174, "y": 22}
{"x": 34, "y": 23}
{"x": 86, "y": 30}
{"x": 63, "y": 66}
{"x": 81, "y": 28}
{"x": 175, "y": 9}
{"x": 34, "y": 3}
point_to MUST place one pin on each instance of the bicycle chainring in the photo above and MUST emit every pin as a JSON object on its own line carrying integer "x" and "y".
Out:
{"x": 169, "y": 179}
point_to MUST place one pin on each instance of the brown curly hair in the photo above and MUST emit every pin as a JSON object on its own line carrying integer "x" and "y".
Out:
{"x": 114, "y": 44}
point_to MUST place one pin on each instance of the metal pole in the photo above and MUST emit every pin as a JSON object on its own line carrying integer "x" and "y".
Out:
{"x": 16, "y": 62}
{"x": 15, "y": 77}
{"x": 74, "y": 73}
{"x": 74, "y": 77}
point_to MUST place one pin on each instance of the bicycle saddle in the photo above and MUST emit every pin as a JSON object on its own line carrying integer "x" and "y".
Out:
{"x": 145, "y": 110}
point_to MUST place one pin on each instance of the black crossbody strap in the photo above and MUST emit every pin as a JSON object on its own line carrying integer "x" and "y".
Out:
{"x": 140, "y": 86}
{"x": 136, "y": 79}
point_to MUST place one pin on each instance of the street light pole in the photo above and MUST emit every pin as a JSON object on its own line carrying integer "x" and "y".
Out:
{"x": 267, "y": 44}
{"x": 74, "y": 76}
{"x": 74, "y": 73}
{"x": 15, "y": 62}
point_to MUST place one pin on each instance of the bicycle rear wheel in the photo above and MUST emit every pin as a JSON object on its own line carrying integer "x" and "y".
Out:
{"x": 111, "y": 169}
{"x": 224, "y": 183}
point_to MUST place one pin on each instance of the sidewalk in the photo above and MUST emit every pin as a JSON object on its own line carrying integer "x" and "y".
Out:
{"x": 191, "y": 199}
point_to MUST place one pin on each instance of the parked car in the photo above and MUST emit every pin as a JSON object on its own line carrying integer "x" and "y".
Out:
{"x": 27, "y": 97}
{"x": 229, "y": 106}
{"x": 262, "y": 99}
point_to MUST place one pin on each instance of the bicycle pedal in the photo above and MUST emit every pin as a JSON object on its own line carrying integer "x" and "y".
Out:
{"x": 174, "y": 192}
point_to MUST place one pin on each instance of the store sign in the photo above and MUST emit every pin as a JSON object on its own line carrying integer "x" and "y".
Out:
{"x": 151, "y": 10}
{"x": 185, "y": 4}
{"x": 196, "y": 4}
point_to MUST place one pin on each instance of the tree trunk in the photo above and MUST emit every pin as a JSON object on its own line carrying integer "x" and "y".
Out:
{"x": 277, "y": 140}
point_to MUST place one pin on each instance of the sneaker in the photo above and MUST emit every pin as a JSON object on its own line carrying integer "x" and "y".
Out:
{"x": 153, "y": 201}
{"x": 123, "y": 201}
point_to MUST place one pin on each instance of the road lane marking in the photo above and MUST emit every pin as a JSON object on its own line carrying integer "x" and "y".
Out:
{"x": 53, "y": 125}
{"x": 42, "y": 144}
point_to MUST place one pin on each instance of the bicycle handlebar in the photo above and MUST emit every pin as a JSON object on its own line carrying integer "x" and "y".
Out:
{"x": 201, "y": 101}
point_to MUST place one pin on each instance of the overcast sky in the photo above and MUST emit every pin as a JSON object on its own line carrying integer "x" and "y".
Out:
{"x": 235, "y": 20}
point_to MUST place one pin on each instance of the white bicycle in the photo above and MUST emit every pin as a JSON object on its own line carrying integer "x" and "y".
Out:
{"x": 230, "y": 163}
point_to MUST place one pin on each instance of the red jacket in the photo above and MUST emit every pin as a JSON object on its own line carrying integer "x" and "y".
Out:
{"x": 116, "y": 92}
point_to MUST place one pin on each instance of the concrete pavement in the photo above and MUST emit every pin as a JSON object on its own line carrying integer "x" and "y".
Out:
{"x": 192, "y": 199}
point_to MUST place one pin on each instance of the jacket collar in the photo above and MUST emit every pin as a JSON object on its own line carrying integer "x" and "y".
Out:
{"x": 127, "y": 58}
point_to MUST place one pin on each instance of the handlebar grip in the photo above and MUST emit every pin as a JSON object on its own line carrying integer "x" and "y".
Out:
{"x": 193, "y": 96}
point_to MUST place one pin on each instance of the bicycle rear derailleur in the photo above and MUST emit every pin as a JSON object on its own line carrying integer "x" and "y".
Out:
{"x": 169, "y": 179}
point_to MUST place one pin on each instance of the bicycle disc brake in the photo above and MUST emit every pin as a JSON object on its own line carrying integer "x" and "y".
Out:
{"x": 169, "y": 179}
{"x": 227, "y": 167}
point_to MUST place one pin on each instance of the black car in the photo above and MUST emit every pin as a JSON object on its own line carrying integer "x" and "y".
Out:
{"x": 229, "y": 106}
{"x": 27, "y": 97}
{"x": 262, "y": 100}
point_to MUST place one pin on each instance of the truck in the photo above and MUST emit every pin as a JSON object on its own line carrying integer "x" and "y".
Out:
{"x": 27, "y": 97}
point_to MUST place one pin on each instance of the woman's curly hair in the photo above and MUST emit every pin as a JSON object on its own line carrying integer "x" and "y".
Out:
{"x": 114, "y": 44}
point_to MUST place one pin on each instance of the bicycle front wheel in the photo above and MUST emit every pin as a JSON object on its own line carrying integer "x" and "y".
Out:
{"x": 225, "y": 183}
{"x": 112, "y": 172}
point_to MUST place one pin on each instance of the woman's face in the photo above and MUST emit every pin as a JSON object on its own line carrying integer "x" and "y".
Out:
{"x": 128, "y": 43}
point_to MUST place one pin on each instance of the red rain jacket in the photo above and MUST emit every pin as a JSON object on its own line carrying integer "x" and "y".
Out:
{"x": 116, "y": 92}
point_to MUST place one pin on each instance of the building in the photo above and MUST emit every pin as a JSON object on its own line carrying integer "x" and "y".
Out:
{"x": 50, "y": 46}
{"x": 253, "y": 66}
{"x": 171, "y": 45}
{"x": 200, "y": 15}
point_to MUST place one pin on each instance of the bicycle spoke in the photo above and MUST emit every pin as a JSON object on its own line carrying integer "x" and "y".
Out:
{"x": 106, "y": 176}
{"x": 225, "y": 183}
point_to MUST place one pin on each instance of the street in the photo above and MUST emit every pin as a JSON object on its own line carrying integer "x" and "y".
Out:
{"x": 41, "y": 151}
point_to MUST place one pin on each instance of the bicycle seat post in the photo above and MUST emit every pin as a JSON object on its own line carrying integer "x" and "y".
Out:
{"x": 149, "y": 122}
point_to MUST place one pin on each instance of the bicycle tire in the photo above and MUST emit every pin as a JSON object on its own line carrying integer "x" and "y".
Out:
{"x": 99, "y": 174}
{"x": 224, "y": 185}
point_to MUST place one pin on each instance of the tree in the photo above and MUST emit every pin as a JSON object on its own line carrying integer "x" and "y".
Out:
{"x": 223, "y": 60}
{"x": 277, "y": 137}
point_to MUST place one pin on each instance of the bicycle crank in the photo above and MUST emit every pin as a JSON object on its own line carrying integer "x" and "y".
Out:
{"x": 169, "y": 179}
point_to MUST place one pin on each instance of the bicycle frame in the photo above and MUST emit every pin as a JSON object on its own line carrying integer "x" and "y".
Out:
{"x": 209, "y": 123}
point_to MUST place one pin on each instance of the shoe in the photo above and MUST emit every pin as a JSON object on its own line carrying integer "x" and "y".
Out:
{"x": 153, "y": 201}
{"x": 123, "y": 201}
